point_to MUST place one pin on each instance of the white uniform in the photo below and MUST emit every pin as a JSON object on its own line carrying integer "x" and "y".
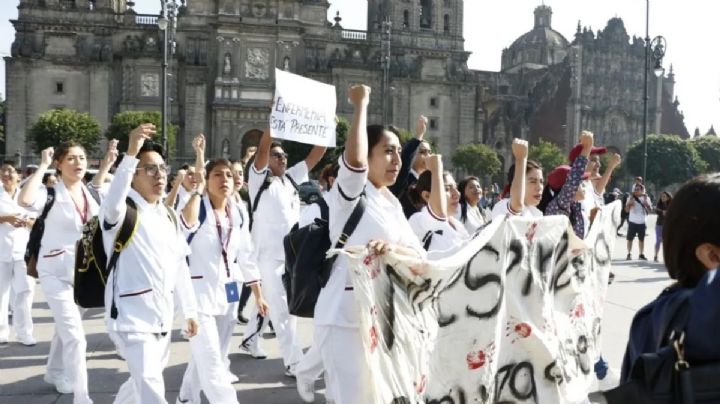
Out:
{"x": 441, "y": 234}
{"x": 336, "y": 319}
{"x": 55, "y": 266}
{"x": 182, "y": 198}
{"x": 277, "y": 212}
{"x": 211, "y": 273}
{"x": 13, "y": 272}
{"x": 474, "y": 219}
{"x": 149, "y": 270}
{"x": 502, "y": 209}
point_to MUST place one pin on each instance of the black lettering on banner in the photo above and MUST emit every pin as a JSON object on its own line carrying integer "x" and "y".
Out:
{"x": 578, "y": 264}
{"x": 553, "y": 373}
{"x": 520, "y": 380}
{"x": 454, "y": 396}
{"x": 387, "y": 327}
{"x": 561, "y": 265}
{"x": 517, "y": 249}
{"x": 476, "y": 282}
{"x": 401, "y": 400}
{"x": 544, "y": 258}
{"x": 602, "y": 250}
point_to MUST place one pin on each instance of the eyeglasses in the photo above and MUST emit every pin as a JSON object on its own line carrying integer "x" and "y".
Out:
{"x": 279, "y": 155}
{"x": 153, "y": 170}
{"x": 423, "y": 151}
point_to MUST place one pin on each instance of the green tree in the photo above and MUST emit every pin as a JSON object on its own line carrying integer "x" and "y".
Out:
{"x": 124, "y": 122}
{"x": 548, "y": 154}
{"x": 477, "y": 159}
{"x": 298, "y": 151}
{"x": 60, "y": 125}
{"x": 709, "y": 149}
{"x": 670, "y": 160}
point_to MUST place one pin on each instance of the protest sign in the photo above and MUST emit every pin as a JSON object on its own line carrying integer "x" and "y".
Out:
{"x": 303, "y": 110}
{"x": 513, "y": 316}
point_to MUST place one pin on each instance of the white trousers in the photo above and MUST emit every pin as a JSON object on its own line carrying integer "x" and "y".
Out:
{"x": 13, "y": 276}
{"x": 347, "y": 370}
{"x": 146, "y": 356}
{"x": 284, "y": 324}
{"x": 225, "y": 328}
{"x": 68, "y": 346}
{"x": 208, "y": 359}
{"x": 311, "y": 367}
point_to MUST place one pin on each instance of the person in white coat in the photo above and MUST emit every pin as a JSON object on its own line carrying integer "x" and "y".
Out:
{"x": 370, "y": 163}
{"x": 219, "y": 239}
{"x": 435, "y": 224}
{"x": 470, "y": 212}
{"x": 149, "y": 271}
{"x": 73, "y": 206}
{"x": 277, "y": 211}
{"x": 15, "y": 223}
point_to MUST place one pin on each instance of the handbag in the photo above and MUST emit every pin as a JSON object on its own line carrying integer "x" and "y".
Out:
{"x": 665, "y": 376}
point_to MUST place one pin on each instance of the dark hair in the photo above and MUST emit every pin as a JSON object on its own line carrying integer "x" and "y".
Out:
{"x": 329, "y": 171}
{"x": 691, "y": 220}
{"x": 46, "y": 176}
{"x": 63, "y": 149}
{"x": 424, "y": 183}
{"x": 150, "y": 146}
{"x": 10, "y": 163}
{"x": 531, "y": 165}
{"x": 375, "y": 134}
{"x": 463, "y": 202}
{"x": 275, "y": 144}
{"x": 547, "y": 196}
{"x": 185, "y": 166}
{"x": 212, "y": 164}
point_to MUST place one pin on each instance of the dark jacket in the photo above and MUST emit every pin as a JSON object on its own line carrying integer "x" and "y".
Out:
{"x": 406, "y": 179}
{"x": 700, "y": 345}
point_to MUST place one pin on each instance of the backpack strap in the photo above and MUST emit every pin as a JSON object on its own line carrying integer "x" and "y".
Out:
{"x": 324, "y": 209}
{"x": 352, "y": 222}
{"x": 48, "y": 204}
{"x": 675, "y": 318}
{"x": 94, "y": 193}
{"x": 265, "y": 185}
{"x": 292, "y": 181}
{"x": 201, "y": 219}
{"x": 122, "y": 238}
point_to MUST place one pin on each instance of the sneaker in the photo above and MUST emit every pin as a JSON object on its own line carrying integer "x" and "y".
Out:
{"x": 242, "y": 319}
{"x": 628, "y": 258}
{"x": 62, "y": 385}
{"x": 28, "y": 341}
{"x": 3, "y": 343}
{"x": 290, "y": 371}
{"x": 306, "y": 390}
{"x": 270, "y": 330}
{"x": 642, "y": 257}
{"x": 254, "y": 350}
{"x": 181, "y": 401}
{"x": 655, "y": 259}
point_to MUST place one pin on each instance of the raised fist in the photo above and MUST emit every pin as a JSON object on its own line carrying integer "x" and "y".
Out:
{"x": 359, "y": 95}
{"x": 520, "y": 149}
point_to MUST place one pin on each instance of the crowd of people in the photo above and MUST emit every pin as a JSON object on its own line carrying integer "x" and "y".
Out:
{"x": 206, "y": 242}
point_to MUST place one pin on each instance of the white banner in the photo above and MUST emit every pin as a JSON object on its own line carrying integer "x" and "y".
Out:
{"x": 514, "y": 316}
{"x": 303, "y": 110}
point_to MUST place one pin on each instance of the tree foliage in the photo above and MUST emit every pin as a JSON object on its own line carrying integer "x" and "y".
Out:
{"x": 548, "y": 154}
{"x": 709, "y": 149}
{"x": 124, "y": 122}
{"x": 477, "y": 159}
{"x": 670, "y": 160}
{"x": 60, "y": 125}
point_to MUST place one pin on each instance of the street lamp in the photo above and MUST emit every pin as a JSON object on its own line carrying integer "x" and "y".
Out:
{"x": 385, "y": 62}
{"x": 166, "y": 23}
{"x": 657, "y": 46}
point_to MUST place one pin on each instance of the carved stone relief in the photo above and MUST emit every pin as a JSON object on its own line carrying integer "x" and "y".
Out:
{"x": 257, "y": 64}
{"x": 149, "y": 85}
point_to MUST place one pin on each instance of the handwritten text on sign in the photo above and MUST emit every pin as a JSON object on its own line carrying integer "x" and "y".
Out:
{"x": 303, "y": 110}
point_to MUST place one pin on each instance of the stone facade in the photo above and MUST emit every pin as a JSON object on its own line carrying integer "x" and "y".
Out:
{"x": 106, "y": 58}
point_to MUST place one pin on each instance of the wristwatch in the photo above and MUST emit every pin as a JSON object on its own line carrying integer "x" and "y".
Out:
{"x": 196, "y": 193}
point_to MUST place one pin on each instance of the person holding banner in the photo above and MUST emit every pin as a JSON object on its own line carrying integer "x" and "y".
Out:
{"x": 369, "y": 165}
{"x": 525, "y": 185}
{"x": 435, "y": 224}
{"x": 220, "y": 258}
{"x": 276, "y": 208}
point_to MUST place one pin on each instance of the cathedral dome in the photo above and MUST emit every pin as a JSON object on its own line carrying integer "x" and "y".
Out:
{"x": 541, "y": 47}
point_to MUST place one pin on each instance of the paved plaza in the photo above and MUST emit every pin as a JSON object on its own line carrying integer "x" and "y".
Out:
{"x": 263, "y": 381}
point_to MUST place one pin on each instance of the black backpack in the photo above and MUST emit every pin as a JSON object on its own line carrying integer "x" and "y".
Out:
{"x": 92, "y": 267}
{"x": 306, "y": 268}
{"x": 36, "y": 233}
{"x": 665, "y": 376}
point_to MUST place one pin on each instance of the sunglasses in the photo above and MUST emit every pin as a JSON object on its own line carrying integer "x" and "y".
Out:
{"x": 279, "y": 155}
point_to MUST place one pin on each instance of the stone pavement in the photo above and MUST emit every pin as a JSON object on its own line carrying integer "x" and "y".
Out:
{"x": 263, "y": 381}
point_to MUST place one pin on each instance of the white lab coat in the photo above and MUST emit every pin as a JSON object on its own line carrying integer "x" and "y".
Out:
{"x": 448, "y": 234}
{"x": 55, "y": 265}
{"x": 13, "y": 271}
{"x": 149, "y": 270}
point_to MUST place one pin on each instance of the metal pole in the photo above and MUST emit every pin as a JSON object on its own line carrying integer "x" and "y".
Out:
{"x": 645, "y": 91}
{"x": 164, "y": 95}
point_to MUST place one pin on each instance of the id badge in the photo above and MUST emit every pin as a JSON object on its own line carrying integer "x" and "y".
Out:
{"x": 231, "y": 292}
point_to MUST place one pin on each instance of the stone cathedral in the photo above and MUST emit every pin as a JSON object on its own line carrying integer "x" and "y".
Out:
{"x": 102, "y": 57}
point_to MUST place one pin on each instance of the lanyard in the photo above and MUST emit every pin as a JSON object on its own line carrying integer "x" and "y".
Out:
{"x": 84, "y": 213}
{"x": 224, "y": 246}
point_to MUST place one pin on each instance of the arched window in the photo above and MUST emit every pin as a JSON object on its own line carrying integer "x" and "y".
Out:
{"x": 425, "y": 13}
{"x": 446, "y": 23}
{"x": 406, "y": 19}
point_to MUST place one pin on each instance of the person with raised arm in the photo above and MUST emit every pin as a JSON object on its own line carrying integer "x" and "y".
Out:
{"x": 149, "y": 271}
{"x": 525, "y": 186}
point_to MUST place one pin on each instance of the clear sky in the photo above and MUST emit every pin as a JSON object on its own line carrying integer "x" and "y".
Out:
{"x": 690, "y": 27}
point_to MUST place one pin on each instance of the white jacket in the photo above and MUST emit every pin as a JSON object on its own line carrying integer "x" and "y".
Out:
{"x": 207, "y": 267}
{"x": 151, "y": 268}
